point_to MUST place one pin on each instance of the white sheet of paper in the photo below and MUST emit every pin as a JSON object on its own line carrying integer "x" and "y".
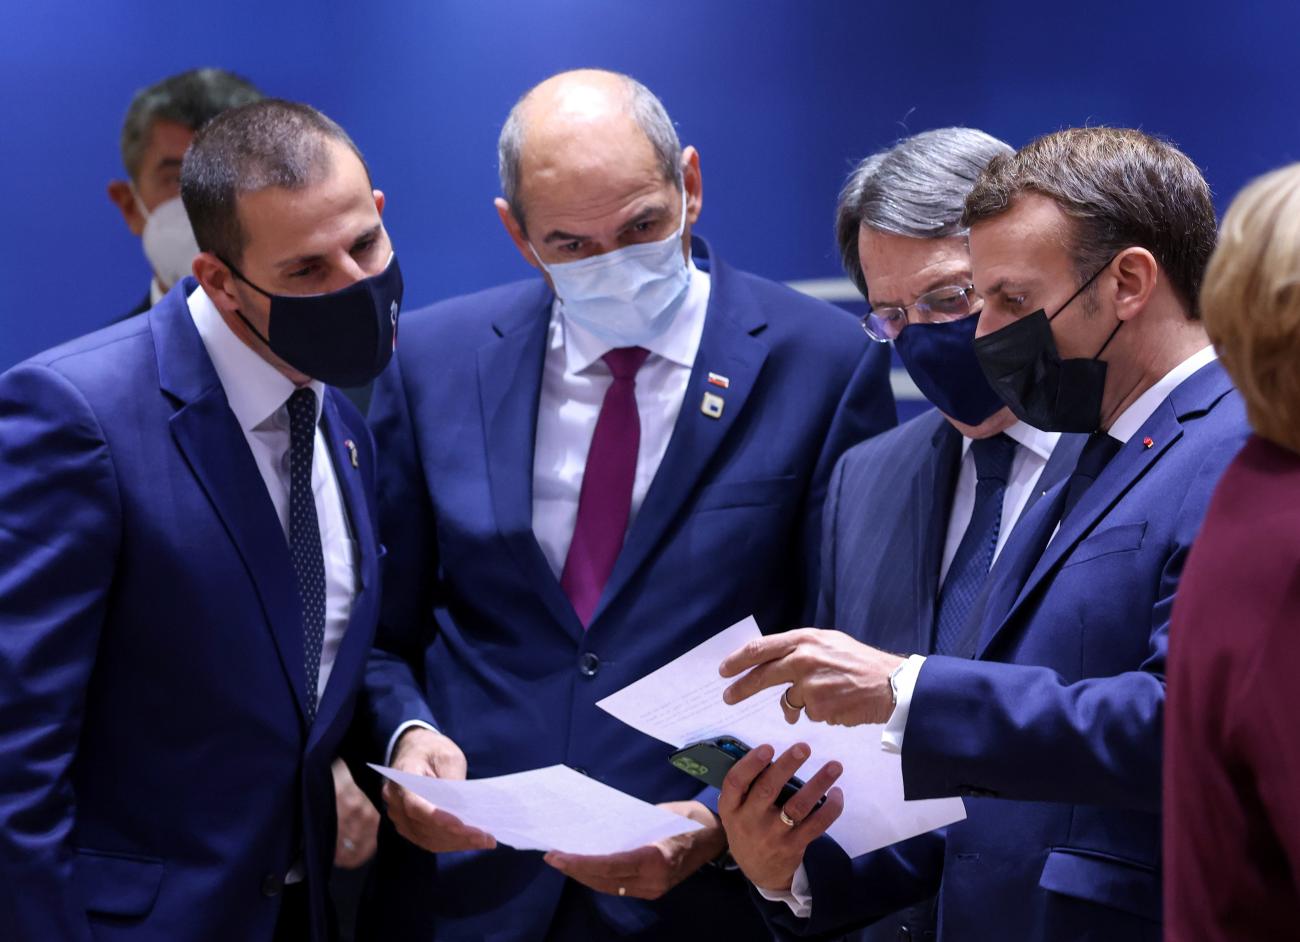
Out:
{"x": 681, "y": 703}
{"x": 554, "y": 808}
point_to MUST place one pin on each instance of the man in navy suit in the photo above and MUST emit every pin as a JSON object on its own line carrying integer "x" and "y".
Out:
{"x": 585, "y": 475}
{"x": 1053, "y": 732}
{"x": 189, "y": 563}
{"x": 916, "y": 516}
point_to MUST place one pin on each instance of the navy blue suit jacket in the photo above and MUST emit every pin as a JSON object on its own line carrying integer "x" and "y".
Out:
{"x": 1053, "y": 733}
{"x": 157, "y": 774}
{"x": 885, "y": 524}
{"x": 477, "y": 636}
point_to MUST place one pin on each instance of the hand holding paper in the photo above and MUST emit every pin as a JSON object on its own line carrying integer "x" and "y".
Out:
{"x": 682, "y": 703}
{"x": 554, "y": 808}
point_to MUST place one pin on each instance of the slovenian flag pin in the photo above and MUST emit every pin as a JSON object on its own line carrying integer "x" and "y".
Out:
{"x": 717, "y": 379}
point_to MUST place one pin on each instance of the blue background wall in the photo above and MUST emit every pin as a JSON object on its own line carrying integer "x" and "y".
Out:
{"x": 779, "y": 95}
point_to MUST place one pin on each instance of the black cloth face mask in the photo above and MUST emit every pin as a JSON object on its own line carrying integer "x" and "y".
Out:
{"x": 1022, "y": 363}
{"x": 343, "y": 338}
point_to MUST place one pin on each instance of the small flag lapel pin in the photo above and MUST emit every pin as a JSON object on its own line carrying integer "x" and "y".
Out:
{"x": 717, "y": 379}
{"x": 351, "y": 446}
{"x": 712, "y": 405}
{"x": 1147, "y": 442}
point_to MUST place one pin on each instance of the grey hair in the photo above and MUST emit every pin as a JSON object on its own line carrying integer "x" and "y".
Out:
{"x": 645, "y": 109}
{"x": 190, "y": 98}
{"x": 917, "y": 188}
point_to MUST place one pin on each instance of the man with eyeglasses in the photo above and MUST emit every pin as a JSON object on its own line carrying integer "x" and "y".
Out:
{"x": 1088, "y": 246}
{"x": 914, "y": 517}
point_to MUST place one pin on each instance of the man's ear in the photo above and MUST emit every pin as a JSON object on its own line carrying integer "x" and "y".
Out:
{"x": 216, "y": 280}
{"x": 123, "y": 196}
{"x": 1136, "y": 274}
{"x": 515, "y": 231}
{"x": 694, "y": 184}
{"x": 379, "y": 201}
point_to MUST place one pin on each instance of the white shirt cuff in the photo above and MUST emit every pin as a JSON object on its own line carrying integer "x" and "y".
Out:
{"x": 891, "y": 738}
{"x": 392, "y": 740}
{"x": 798, "y": 897}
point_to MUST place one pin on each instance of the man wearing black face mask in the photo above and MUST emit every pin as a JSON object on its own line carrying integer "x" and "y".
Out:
{"x": 916, "y": 516}
{"x": 1053, "y": 732}
{"x": 189, "y": 562}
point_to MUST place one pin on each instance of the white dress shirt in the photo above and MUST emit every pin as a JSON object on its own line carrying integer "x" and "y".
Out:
{"x": 574, "y": 381}
{"x": 258, "y": 393}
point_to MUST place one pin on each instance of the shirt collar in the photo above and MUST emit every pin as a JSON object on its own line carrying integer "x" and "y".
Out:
{"x": 679, "y": 343}
{"x": 1135, "y": 416}
{"x": 1035, "y": 440}
{"x": 255, "y": 389}
{"x": 156, "y": 291}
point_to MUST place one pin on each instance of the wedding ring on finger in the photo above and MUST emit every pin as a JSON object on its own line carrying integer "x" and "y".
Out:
{"x": 787, "y": 820}
{"x": 785, "y": 701}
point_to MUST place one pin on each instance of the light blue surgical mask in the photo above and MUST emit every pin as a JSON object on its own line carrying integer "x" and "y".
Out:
{"x": 626, "y": 297}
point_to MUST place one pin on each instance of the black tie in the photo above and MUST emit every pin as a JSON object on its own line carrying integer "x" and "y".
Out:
{"x": 304, "y": 535}
{"x": 970, "y": 565}
{"x": 1096, "y": 454}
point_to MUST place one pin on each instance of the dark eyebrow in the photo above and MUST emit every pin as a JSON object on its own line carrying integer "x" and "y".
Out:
{"x": 559, "y": 235}
{"x": 300, "y": 260}
{"x": 645, "y": 215}
{"x": 167, "y": 163}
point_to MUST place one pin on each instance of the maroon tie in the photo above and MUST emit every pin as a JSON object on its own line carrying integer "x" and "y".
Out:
{"x": 605, "y": 501}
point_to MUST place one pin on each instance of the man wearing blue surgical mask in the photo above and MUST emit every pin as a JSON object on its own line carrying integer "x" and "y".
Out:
{"x": 189, "y": 562}
{"x": 159, "y": 125}
{"x": 915, "y": 517}
{"x": 584, "y": 475}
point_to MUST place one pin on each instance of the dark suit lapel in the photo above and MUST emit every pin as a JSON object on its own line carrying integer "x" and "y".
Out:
{"x": 932, "y": 495}
{"x": 510, "y": 384}
{"x": 1165, "y": 427}
{"x": 213, "y": 444}
{"x": 356, "y": 643}
{"x": 728, "y": 347}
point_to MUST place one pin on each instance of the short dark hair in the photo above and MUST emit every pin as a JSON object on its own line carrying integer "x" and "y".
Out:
{"x": 271, "y": 142}
{"x": 1119, "y": 188}
{"x": 191, "y": 99}
{"x": 917, "y": 188}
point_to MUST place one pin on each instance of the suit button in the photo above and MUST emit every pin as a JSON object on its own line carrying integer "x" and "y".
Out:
{"x": 272, "y": 884}
{"x": 588, "y": 665}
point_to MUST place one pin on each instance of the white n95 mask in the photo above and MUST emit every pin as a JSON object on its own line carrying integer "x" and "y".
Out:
{"x": 169, "y": 242}
{"x": 626, "y": 297}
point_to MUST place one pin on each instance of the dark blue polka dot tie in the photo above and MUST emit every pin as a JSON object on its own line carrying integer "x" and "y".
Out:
{"x": 970, "y": 565}
{"x": 304, "y": 535}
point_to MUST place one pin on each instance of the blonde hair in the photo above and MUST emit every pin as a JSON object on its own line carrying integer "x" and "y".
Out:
{"x": 1251, "y": 302}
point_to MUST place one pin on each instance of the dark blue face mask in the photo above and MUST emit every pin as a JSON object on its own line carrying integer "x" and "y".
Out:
{"x": 940, "y": 358}
{"x": 343, "y": 338}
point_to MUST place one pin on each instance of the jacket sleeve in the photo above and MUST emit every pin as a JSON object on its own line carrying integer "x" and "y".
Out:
{"x": 394, "y": 686}
{"x": 1022, "y": 732}
{"x": 848, "y": 894}
{"x": 866, "y": 408}
{"x": 825, "y": 616}
{"x": 60, "y": 528}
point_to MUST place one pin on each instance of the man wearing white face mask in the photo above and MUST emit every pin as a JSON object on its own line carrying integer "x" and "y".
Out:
{"x": 584, "y": 475}
{"x": 159, "y": 125}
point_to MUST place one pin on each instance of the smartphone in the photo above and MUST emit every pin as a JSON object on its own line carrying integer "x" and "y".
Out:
{"x": 711, "y": 759}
